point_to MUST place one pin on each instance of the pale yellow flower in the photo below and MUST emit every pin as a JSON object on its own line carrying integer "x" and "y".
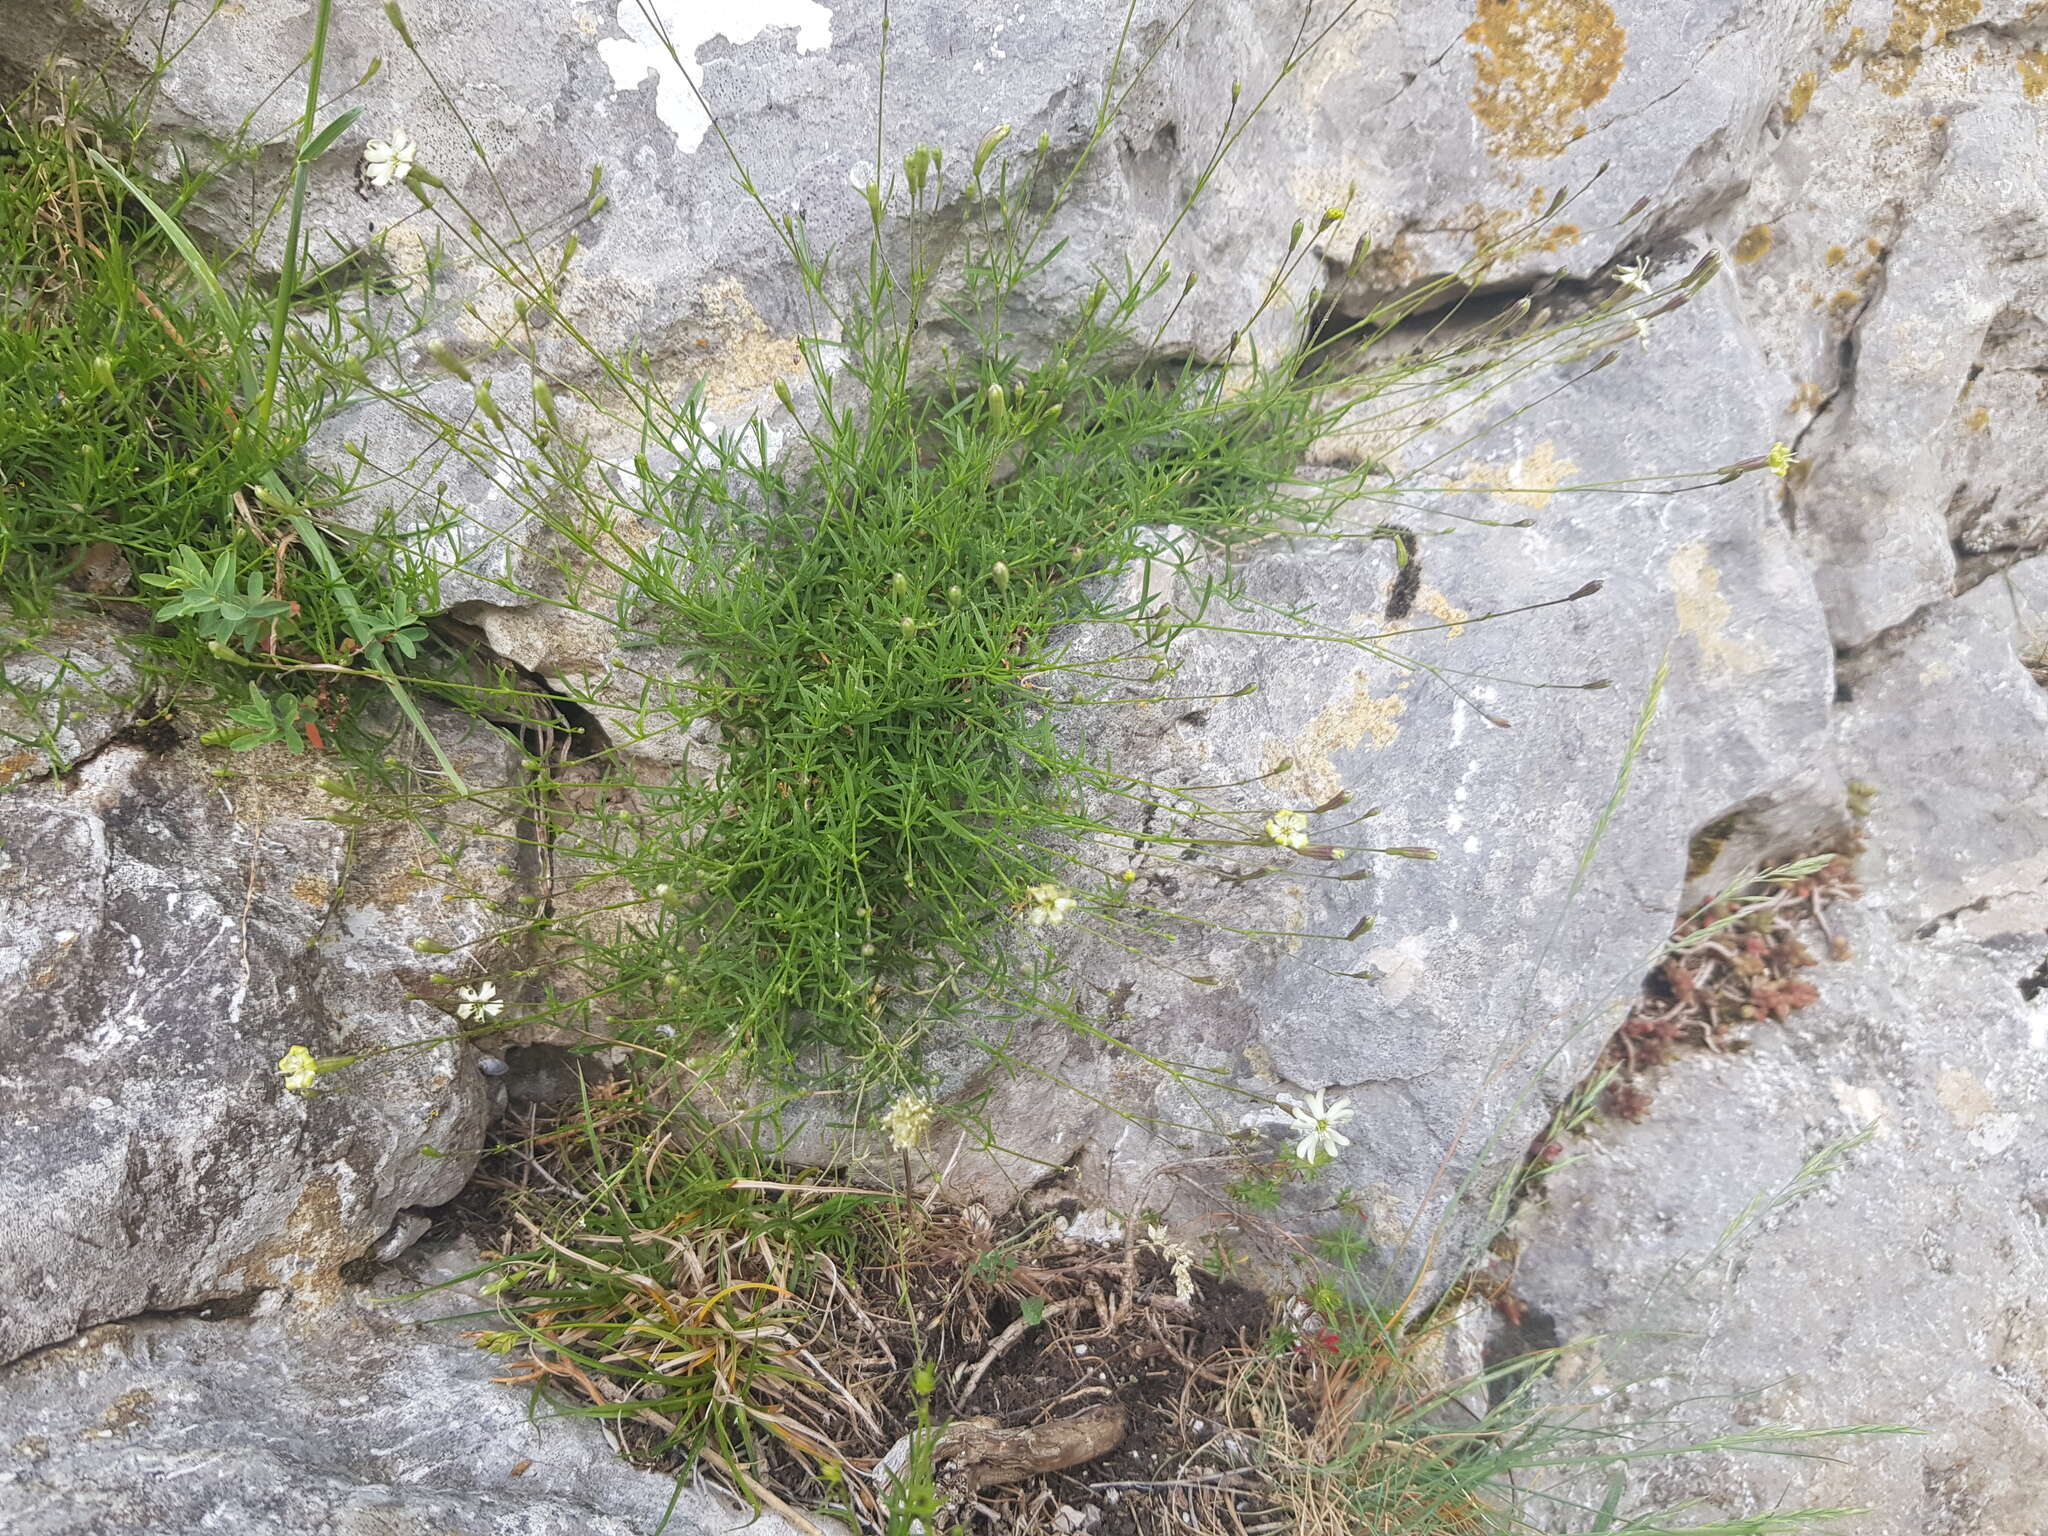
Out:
{"x": 1288, "y": 829}
{"x": 1047, "y": 904}
{"x": 300, "y": 1069}
{"x": 907, "y": 1119}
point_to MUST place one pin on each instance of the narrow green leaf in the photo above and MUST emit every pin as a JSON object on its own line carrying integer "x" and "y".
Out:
{"x": 323, "y": 141}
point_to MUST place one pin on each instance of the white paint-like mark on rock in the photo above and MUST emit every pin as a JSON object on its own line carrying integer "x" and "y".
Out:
{"x": 654, "y": 27}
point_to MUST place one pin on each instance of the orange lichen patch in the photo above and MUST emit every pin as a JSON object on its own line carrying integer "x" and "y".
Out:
{"x": 1755, "y": 243}
{"x": 1846, "y": 55}
{"x": 1801, "y": 97}
{"x": 1845, "y": 301}
{"x": 314, "y": 893}
{"x": 13, "y": 766}
{"x": 1835, "y": 13}
{"x": 308, "y": 1254}
{"x": 1978, "y": 420}
{"x": 1836, "y": 256}
{"x": 1917, "y": 25}
{"x": 1540, "y": 66}
{"x": 2033, "y": 68}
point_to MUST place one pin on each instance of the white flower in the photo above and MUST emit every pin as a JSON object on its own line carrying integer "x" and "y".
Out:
{"x": 1635, "y": 275}
{"x": 389, "y": 160}
{"x": 1288, "y": 829}
{"x": 906, "y": 1120}
{"x": 300, "y": 1069}
{"x": 1317, "y": 1123}
{"x": 1047, "y": 904}
{"x": 479, "y": 1002}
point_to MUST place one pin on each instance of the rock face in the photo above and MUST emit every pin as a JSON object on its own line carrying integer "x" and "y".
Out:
{"x": 1872, "y": 169}
{"x": 1906, "y": 1287}
{"x": 372, "y": 1419}
{"x": 1491, "y": 970}
{"x": 170, "y": 923}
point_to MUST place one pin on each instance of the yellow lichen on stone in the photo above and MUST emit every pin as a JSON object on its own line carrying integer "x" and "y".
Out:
{"x": 1835, "y": 13}
{"x": 1703, "y": 613}
{"x": 1540, "y": 65}
{"x": 2033, "y": 68}
{"x": 1354, "y": 715}
{"x": 1529, "y": 481}
{"x": 1978, "y": 420}
{"x": 1444, "y": 611}
{"x": 1801, "y": 97}
{"x": 747, "y": 356}
{"x": 1835, "y": 256}
{"x": 1917, "y": 25}
{"x": 1755, "y": 243}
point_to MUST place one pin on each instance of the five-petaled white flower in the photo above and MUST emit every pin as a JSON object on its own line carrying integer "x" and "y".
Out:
{"x": 1317, "y": 1123}
{"x": 1635, "y": 275}
{"x": 1047, "y": 904}
{"x": 300, "y": 1069}
{"x": 906, "y": 1120}
{"x": 389, "y": 160}
{"x": 1288, "y": 829}
{"x": 478, "y": 1002}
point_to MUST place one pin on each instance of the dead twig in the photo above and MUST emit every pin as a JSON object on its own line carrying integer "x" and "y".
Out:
{"x": 1008, "y": 1337}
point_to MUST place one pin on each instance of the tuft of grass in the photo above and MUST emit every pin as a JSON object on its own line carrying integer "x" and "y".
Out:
{"x": 144, "y": 472}
{"x": 815, "y": 1343}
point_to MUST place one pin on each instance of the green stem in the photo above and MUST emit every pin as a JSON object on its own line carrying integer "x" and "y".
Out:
{"x": 288, "y": 271}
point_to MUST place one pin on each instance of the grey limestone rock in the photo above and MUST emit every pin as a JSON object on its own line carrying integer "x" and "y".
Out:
{"x": 349, "y": 1416}
{"x": 171, "y": 923}
{"x": 1904, "y": 1288}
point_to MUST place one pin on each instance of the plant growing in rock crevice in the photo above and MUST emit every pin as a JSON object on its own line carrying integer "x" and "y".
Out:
{"x": 885, "y": 602}
{"x": 1732, "y": 965}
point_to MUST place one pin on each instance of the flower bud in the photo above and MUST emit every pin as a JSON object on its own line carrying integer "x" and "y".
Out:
{"x": 988, "y": 145}
{"x": 441, "y": 353}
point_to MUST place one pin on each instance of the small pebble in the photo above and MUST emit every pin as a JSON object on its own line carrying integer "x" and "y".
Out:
{"x": 407, "y": 1230}
{"x": 491, "y": 1066}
